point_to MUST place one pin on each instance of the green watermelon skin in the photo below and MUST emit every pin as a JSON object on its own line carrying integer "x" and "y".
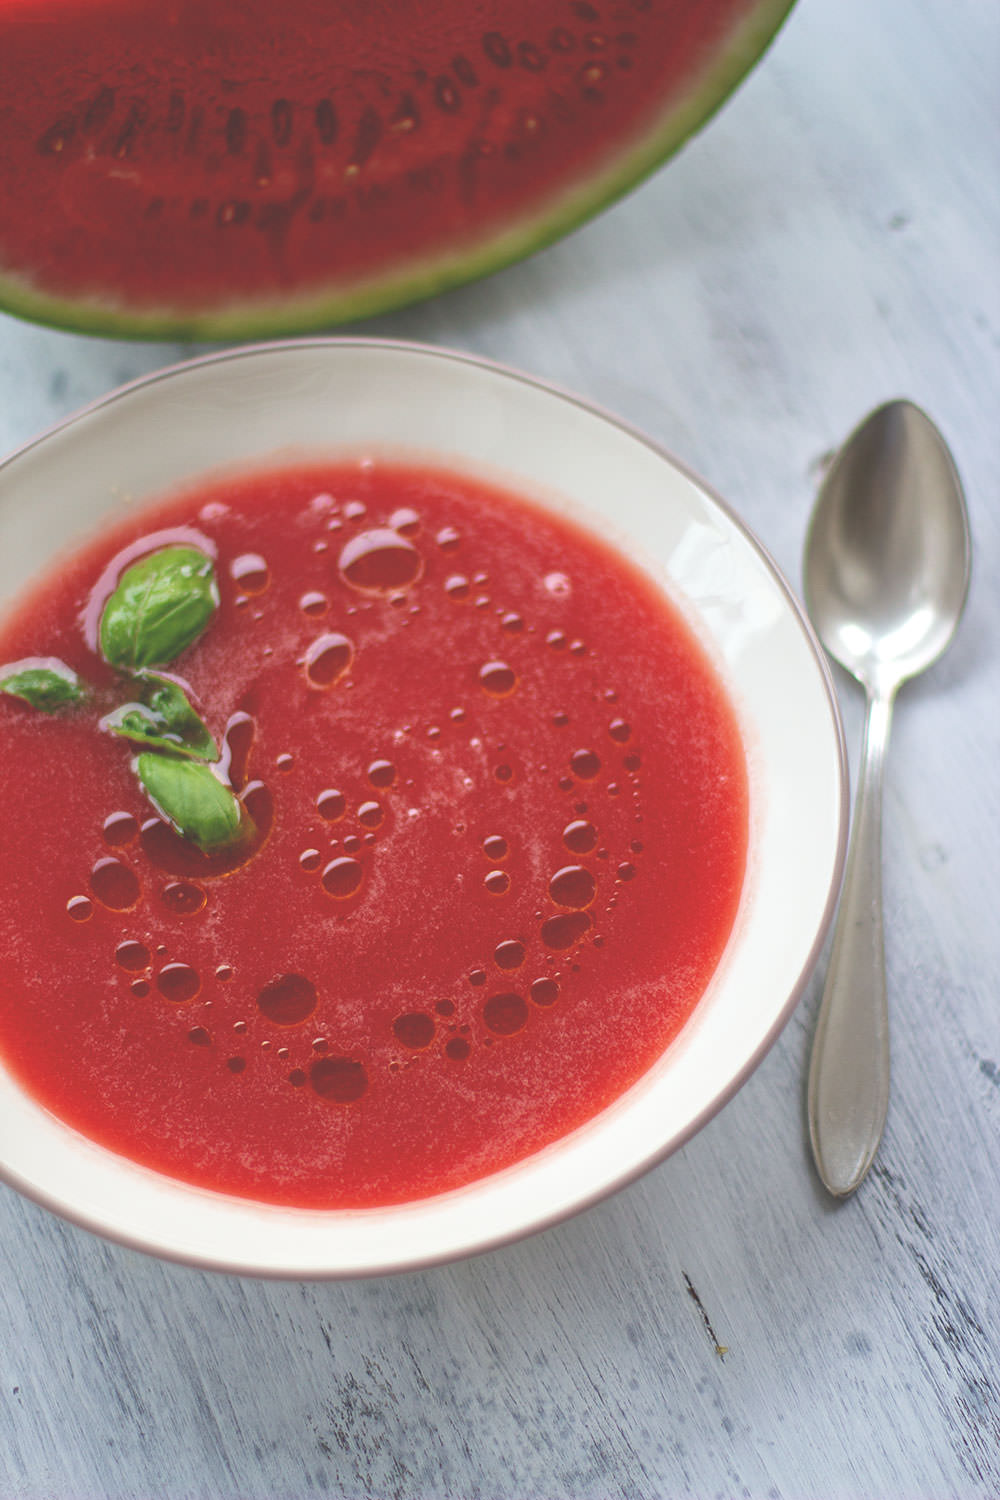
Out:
{"x": 235, "y": 168}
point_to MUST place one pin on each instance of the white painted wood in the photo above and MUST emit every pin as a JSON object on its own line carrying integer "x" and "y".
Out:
{"x": 830, "y": 241}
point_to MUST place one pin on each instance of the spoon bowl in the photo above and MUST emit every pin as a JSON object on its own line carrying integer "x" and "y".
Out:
{"x": 887, "y": 554}
{"x": 885, "y": 576}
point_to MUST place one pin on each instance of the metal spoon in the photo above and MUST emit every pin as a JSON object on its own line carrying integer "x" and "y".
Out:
{"x": 886, "y": 575}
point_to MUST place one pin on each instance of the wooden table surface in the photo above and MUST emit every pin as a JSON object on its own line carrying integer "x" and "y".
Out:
{"x": 829, "y": 241}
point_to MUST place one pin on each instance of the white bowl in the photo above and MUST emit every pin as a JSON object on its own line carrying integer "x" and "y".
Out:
{"x": 310, "y": 398}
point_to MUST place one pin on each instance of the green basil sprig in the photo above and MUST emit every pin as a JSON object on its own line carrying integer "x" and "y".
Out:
{"x": 161, "y": 605}
{"x": 192, "y": 798}
{"x": 44, "y": 682}
{"x": 163, "y": 719}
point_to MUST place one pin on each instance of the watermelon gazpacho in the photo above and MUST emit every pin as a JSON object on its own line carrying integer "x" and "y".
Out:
{"x": 366, "y": 828}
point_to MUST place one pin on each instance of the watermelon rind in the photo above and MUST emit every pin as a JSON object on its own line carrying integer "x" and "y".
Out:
{"x": 336, "y": 303}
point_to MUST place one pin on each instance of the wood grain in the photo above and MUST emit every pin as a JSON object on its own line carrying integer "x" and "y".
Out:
{"x": 722, "y": 1328}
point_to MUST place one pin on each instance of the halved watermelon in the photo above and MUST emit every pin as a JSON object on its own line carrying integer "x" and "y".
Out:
{"x": 226, "y": 168}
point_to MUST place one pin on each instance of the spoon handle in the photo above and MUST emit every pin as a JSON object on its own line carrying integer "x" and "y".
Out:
{"x": 849, "y": 1072}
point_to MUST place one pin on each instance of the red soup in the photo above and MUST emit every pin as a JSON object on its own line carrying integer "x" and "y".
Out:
{"x": 474, "y": 840}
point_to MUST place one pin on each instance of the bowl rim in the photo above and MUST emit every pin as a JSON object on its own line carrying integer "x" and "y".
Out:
{"x": 484, "y": 1243}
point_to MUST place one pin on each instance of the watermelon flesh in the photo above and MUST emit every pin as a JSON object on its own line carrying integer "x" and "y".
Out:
{"x": 217, "y": 168}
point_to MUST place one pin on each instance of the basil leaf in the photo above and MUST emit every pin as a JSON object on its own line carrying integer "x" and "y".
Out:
{"x": 162, "y": 604}
{"x": 163, "y": 719}
{"x": 192, "y": 798}
{"x": 44, "y": 682}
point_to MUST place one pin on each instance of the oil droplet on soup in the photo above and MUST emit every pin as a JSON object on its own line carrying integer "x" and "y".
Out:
{"x": 237, "y": 743}
{"x": 585, "y": 764}
{"x": 313, "y": 603}
{"x": 381, "y": 773}
{"x": 287, "y": 999}
{"x": 415, "y": 1030}
{"x": 405, "y": 520}
{"x": 120, "y": 829}
{"x": 114, "y": 884}
{"x": 564, "y": 930}
{"x": 573, "y": 886}
{"x": 580, "y": 836}
{"x": 380, "y": 562}
{"x": 328, "y": 659}
{"x": 342, "y": 877}
{"x": 331, "y": 805}
{"x": 133, "y": 956}
{"x": 505, "y": 1014}
{"x": 183, "y": 897}
{"x": 339, "y": 1079}
{"x": 497, "y": 679}
{"x": 178, "y": 983}
{"x": 544, "y": 991}
{"x": 251, "y": 572}
{"x": 509, "y": 954}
